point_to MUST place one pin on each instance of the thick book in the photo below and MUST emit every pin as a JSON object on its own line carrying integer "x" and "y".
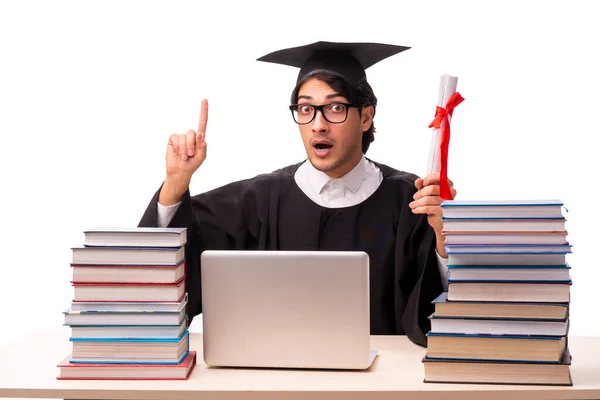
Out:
{"x": 129, "y": 331}
{"x": 499, "y": 309}
{"x": 495, "y": 326}
{"x": 440, "y": 370}
{"x": 538, "y": 292}
{"x": 106, "y": 371}
{"x": 543, "y": 349}
{"x": 128, "y": 292}
{"x": 128, "y": 273}
{"x": 136, "y": 237}
{"x": 130, "y": 350}
{"x": 508, "y": 273}
{"x": 502, "y": 208}
{"x": 127, "y": 255}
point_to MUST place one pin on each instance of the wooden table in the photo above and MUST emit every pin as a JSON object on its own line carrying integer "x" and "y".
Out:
{"x": 28, "y": 369}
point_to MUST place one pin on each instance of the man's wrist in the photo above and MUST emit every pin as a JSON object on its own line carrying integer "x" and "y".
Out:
{"x": 172, "y": 191}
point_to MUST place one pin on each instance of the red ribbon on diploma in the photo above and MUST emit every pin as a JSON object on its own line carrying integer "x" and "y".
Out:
{"x": 441, "y": 121}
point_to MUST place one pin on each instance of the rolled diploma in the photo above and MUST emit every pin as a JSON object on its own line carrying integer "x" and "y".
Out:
{"x": 447, "y": 88}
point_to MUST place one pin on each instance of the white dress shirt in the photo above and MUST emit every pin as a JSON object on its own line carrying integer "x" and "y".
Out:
{"x": 351, "y": 189}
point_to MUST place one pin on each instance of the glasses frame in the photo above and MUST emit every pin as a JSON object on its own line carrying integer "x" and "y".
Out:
{"x": 294, "y": 107}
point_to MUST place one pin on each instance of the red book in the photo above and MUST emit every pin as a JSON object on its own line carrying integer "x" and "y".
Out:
{"x": 79, "y": 371}
{"x": 129, "y": 292}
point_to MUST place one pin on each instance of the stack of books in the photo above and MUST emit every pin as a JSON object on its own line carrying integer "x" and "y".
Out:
{"x": 128, "y": 318}
{"x": 505, "y": 316}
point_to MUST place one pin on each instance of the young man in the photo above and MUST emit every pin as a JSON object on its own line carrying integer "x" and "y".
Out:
{"x": 336, "y": 200}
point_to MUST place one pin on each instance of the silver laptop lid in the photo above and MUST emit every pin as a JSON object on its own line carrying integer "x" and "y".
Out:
{"x": 288, "y": 309}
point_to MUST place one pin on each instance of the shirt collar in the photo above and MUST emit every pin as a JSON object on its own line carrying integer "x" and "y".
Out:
{"x": 353, "y": 179}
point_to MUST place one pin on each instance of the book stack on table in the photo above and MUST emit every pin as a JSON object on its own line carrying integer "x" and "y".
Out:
{"x": 128, "y": 318}
{"x": 505, "y": 316}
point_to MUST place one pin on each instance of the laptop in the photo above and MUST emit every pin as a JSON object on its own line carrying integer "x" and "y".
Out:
{"x": 286, "y": 309}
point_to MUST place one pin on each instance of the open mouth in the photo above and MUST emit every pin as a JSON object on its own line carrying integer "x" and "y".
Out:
{"x": 322, "y": 149}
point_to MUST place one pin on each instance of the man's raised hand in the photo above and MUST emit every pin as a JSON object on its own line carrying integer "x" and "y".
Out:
{"x": 185, "y": 153}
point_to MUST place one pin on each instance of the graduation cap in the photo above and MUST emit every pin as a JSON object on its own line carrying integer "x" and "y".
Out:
{"x": 347, "y": 60}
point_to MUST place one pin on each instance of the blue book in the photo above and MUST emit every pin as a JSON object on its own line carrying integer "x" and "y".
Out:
{"x": 130, "y": 350}
{"x": 490, "y": 266}
{"x": 508, "y": 273}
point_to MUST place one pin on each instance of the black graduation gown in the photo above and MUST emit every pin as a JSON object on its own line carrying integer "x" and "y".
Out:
{"x": 270, "y": 212}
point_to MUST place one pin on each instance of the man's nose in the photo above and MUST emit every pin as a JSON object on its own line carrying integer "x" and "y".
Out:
{"x": 319, "y": 124}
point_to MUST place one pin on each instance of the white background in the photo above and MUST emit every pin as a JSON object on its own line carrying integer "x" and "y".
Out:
{"x": 91, "y": 91}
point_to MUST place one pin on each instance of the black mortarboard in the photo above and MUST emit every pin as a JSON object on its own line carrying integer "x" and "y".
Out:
{"x": 348, "y": 60}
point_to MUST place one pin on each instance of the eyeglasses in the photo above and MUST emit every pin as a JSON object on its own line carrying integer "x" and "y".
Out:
{"x": 336, "y": 113}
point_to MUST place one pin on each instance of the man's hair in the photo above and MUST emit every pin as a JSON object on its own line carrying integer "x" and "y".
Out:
{"x": 362, "y": 95}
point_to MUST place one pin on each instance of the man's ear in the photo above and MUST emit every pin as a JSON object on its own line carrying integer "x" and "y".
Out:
{"x": 366, "y": 119}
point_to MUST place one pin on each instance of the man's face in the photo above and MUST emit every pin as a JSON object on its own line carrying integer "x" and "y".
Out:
{"x": 332, "y": 148}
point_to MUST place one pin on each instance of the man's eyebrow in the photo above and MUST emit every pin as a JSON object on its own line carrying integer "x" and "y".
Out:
{"x": 329, "y": 96}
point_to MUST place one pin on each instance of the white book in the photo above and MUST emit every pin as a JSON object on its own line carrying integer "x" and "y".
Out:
{"x": 128, "y": 273}
{"x": 128, "y": 255}
{"x": 507, "y": 259}
{"x": 501, "y": 273}
{"x": 128, "y": 292}
{"x": 135, "y": 236}
{"x": 509, "y": 292}
{"x": 508, "y": 248}
{"x": 502, "y": 208}
{"x": 138, "y": 350}
{"x": 472, "y": 326}
{"x": 100, "y": 306}
{"x": 124, "y": 318}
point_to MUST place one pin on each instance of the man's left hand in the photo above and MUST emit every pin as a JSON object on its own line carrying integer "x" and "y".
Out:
{"x": 427, "y": 200}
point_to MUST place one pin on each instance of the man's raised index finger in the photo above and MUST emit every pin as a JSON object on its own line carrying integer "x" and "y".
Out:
{"x": 203, "y": 118}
